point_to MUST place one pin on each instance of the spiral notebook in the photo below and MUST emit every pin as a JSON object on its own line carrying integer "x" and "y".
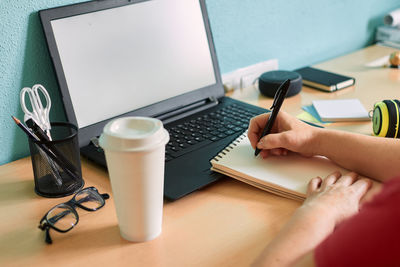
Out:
{"x": 286, "y": 176}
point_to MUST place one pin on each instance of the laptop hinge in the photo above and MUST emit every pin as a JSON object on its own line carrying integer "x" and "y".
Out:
{"x": 188, "y": 110}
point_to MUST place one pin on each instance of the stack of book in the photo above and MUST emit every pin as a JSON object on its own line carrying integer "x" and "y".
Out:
{"x": 388, "y": 35}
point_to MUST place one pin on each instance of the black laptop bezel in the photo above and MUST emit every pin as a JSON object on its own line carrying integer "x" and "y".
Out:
{"x": 86, "y": 133}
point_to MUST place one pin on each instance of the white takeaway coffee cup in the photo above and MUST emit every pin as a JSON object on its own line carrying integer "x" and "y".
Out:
{"x": 135, "y": 153}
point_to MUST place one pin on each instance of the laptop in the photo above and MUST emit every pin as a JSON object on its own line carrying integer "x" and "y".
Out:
{"x": 116, "y": 58}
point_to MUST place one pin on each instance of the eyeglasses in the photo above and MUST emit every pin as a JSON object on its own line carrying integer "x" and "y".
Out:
{"x": 64, "y": 217}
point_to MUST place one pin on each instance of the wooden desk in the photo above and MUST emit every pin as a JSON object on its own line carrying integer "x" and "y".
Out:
{"x": 227, "y": 223}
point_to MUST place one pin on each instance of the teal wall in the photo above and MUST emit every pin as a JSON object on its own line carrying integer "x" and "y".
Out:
{"x": 297, "y": 32}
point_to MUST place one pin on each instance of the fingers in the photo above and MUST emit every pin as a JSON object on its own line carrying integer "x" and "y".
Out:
{"x": 274, "y": 152}
{"x": 330, "y": 180}
{"x": 339, "y": 179}
{"x": 278, "y": 152}
{"x": 347, "y": 179}
{"x": 277, "y": 139}
{"x": 271, "y": 141}
{"x": 361, "y": 187}
{"x": 313, "y": 185}
{"x": 264, "y": 153}
{"x": 256, "y": 126}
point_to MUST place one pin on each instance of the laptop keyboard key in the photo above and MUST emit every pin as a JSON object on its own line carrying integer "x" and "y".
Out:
{"x": 194, "y": 147}
{"x": 205, "y": 129}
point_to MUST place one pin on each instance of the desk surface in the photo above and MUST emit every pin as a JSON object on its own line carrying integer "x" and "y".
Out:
{"x": 372, "y": 85}
{"x": 227, "y": 223}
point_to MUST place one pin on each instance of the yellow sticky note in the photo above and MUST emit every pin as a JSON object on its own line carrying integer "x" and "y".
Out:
{"x": 305, "y": 116}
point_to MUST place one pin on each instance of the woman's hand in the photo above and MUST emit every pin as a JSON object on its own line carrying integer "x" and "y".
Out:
{"x": 336, "y": 198}
{"x": 288, "y": 133}
{"x": 329, "y": 202}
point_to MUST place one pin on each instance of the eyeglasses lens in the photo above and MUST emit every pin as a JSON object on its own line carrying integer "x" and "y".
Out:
{"x": 89, "y": 199}
{"x": 62, "y": 217}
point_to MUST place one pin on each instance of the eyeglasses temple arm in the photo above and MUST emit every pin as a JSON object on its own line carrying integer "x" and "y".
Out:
{"x": 87, "y": 198}
{"x": 48, "y": 237}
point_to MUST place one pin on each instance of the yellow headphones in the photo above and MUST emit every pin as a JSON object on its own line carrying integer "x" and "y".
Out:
{"x": 385, "y": 118}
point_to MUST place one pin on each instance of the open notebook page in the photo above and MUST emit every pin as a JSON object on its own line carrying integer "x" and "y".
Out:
{"x": 287, "y": 176}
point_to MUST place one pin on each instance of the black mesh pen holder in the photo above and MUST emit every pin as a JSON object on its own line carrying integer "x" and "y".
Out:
{"x": 56, "y": 164}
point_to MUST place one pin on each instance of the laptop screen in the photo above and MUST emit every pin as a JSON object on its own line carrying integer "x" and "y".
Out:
{"x": 124, "y": 58}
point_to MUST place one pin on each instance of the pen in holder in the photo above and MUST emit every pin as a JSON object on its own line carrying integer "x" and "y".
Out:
{"x": 56, "y": 163}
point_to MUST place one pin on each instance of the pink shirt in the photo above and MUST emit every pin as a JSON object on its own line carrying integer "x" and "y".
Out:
{"x": 370, "y": 238}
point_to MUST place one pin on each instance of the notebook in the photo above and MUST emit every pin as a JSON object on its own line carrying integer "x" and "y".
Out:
{"x": 324, "y": 80}
{"x": 285, "y": 176}
{"x": 146, "y": 58}
{"x": 341, "y": 110}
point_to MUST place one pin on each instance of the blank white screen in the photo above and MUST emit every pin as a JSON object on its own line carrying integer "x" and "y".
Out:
{"x": 121, "y": 59}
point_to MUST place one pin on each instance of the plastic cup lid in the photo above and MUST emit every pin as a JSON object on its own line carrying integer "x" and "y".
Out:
{"x": 133, "y": 134}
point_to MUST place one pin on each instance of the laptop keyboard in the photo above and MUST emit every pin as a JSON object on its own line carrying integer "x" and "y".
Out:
{"x": 226, "y": 122}
{"x": 205, "y": 129}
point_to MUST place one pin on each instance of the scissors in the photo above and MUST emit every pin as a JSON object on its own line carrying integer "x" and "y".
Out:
{"x": 39, "y": 113}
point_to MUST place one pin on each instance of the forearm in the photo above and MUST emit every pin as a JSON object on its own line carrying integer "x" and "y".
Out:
{"x": 329, "y": 202}
{"x": 300, "y": 236}
{"x": 374, "y": 157}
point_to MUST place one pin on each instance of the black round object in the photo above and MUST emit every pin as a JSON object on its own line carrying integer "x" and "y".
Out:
{"x": 269, "y": 82}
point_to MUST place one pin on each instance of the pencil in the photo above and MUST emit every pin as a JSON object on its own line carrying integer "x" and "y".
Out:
{"x": 45, "y": 149}
{"x": 26, "y": 130}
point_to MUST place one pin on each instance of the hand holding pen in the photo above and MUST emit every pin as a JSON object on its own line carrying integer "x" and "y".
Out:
{"x": 276, "y": 106}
